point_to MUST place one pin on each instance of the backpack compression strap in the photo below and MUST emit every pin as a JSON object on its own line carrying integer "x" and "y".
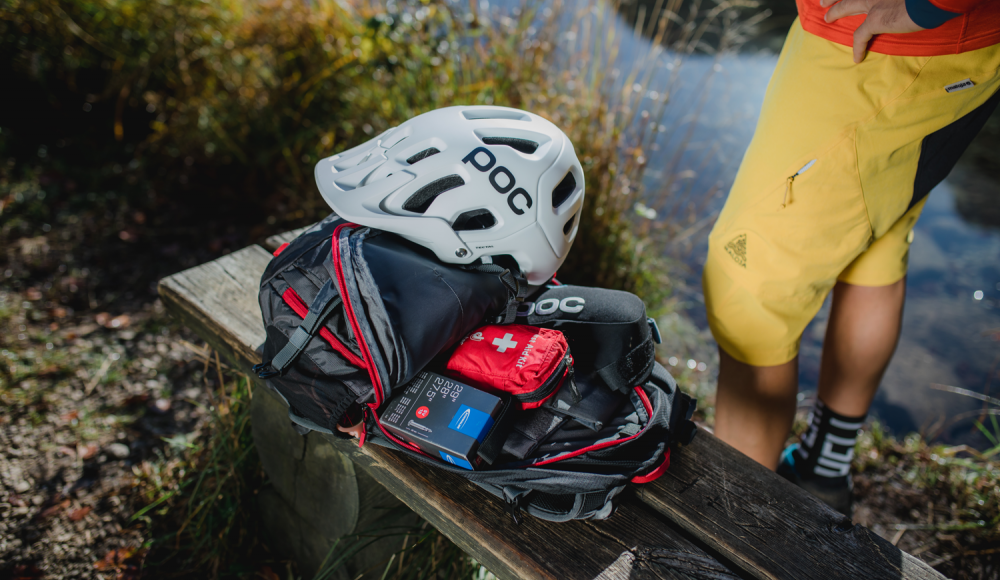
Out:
{"x": 319, "y": 310}
{"x": 517, "y": 289}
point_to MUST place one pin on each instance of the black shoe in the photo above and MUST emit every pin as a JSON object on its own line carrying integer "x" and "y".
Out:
{"x": 837, "y": 492}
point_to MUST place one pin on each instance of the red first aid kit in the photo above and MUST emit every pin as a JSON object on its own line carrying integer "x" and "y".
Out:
{"x": 526, "y": 362}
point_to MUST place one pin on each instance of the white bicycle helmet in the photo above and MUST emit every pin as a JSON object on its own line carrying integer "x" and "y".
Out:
{"x": 468, "y": 183}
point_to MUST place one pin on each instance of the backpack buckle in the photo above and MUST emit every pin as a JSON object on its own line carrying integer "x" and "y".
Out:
{"x": 514, "y": 509}
{"x": 264, "y": 370}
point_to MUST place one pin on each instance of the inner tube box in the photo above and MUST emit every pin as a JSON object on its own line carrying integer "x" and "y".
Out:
{"x": 443, "y": 417}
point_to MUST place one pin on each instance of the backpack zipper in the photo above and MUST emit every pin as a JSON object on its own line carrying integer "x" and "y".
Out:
{"x": 550, "y": 386}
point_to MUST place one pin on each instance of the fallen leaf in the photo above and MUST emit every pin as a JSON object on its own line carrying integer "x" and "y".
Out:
{"x": 114, "y": 559}
{"x": 79, "y": 331}
{"x": 133, "y": 400}
{"x": 108, "y": 321}
{"x": 33, "y": 294}
{"x": 120, "y": 321}
{"x": 71, "y": 416}
{"x": 79, "y": 514}
{"x": 126, "y": 562}
{"x": 27, "y": 572}
{"x": 86, "y": 451}
{"x": 53, "y": 510}
{"x": 267, "y": 573}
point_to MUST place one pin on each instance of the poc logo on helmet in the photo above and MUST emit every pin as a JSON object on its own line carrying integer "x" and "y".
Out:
{"x": 503, "y": 189}
{"x": 569, "y": 305}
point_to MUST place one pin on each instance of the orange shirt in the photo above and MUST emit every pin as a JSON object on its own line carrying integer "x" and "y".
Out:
{"x": 976, "y": 25}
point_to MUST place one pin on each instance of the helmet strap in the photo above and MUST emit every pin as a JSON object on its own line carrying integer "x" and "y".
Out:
{"x": 517, "y": 289}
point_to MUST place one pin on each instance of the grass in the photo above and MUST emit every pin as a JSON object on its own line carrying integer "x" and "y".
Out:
{"x": 197, "y": 496}
{"x": 941, "y": 503}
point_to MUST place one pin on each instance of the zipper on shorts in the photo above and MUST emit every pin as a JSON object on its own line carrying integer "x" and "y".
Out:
{"x": 791, "y": 178}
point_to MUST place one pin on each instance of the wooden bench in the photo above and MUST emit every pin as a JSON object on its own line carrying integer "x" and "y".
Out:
{"x": 715, "y": 514}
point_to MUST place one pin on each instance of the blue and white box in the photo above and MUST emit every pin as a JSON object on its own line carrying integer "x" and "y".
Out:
{"x": 443, "y": 417}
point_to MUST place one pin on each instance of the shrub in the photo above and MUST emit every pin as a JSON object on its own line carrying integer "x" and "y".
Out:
{"x": 234, "y": 101}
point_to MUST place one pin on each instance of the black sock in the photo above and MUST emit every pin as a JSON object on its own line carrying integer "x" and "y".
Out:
{"x": 827, "y": 446}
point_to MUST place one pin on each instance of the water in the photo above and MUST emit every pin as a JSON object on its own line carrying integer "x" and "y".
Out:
{"x": 951, "y": 326}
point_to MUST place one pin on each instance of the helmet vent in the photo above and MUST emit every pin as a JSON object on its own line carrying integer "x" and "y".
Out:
{"x": 476, "y": 219}
{"x": 569, "y": 225}
{"x": 522, "y": 145}
{"x": 423, "y": 155}
{"x": 562, "y": 191}
{"x": 422, "y": 198}
{"x": 487, "y": 113}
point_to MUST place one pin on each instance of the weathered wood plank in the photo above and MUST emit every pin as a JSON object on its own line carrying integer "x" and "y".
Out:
{"x": 218, "y": 300}
{"x": 634, "y": 539}
{"x": 765, "y": 525}
{"x": 480, "y": 525}
{"x": 272, "y": 243}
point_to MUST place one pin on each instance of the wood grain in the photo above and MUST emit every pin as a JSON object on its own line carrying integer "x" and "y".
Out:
{"x": 712, "y": 496}
{"x": 478, "y": 523}
{"x": 764, "y": 524}
{"x": 218, "y": 300}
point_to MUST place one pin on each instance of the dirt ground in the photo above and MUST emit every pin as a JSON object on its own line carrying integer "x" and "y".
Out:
{"x": 94, "y": 404}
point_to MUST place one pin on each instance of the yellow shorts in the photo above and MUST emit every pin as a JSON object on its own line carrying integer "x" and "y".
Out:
{"x": 833, "y": 182}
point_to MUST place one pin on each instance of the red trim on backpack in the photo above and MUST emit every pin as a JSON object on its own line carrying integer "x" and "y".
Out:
{"x": 398, "y": 441}
{"x": 368, "y": 363}
{"x": 656, "y": 473}
{"x": 353, "y": 320}
{"x": 280, "y": 249}
{"x": 649, "y": 413}
{"x": 292, "y": 298}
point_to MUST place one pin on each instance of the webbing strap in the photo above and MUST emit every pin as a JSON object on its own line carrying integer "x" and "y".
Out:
{"x": 631, "y": 369}
{"x": 517, "y": 289}
{"x": 533, "y": 428}
{"x": 319, "y": 310}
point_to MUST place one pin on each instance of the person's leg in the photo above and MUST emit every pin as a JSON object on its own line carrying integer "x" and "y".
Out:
{"x": 861, "y": 336}
{"x": 755, "y": 406}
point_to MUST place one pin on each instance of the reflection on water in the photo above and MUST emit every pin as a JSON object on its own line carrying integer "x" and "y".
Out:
{"x": 951, "y": 328}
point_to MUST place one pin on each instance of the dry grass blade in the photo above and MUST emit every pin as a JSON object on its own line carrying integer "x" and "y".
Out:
{"x": 965, "y": 392}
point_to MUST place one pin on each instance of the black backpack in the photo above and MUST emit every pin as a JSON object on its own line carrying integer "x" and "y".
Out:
{"x": 352, "y": 313}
